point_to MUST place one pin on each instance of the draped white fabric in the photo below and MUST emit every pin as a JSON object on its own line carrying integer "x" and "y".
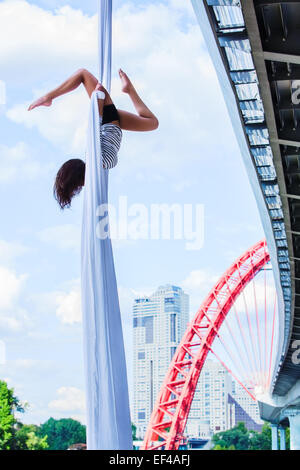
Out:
{"x": 108, "y": 415}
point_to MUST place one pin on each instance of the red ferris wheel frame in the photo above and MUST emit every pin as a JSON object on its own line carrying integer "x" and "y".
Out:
{"x": 170, "y": 413}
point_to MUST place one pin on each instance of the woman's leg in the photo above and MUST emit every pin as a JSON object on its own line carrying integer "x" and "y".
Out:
{"x": 89, "y": 81}
{"x": 146, "y": 120}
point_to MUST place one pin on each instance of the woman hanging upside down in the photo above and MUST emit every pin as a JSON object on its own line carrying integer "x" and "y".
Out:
{"x": 70, "y": 178}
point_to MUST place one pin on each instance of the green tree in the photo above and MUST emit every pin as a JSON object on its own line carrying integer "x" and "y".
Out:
{"x": 62, "y": 433}
{"x": 288, "y": 438}
{"x": 261, "y": 440}
{"x": 239, "y": 438}
{"x": 236, "y": 438}
{"x": 36, "y": 443}
{"x": 219, "y": 447}
{"x": 133, "y": 429}
{"x": 26, "y": 438}
{"x": 9, "y": 404}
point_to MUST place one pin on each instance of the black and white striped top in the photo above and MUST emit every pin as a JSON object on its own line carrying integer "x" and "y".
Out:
{"x": 110, "y": 139}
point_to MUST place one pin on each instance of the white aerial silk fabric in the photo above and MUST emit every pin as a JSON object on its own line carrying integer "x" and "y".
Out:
{"x": 107, "y": 401}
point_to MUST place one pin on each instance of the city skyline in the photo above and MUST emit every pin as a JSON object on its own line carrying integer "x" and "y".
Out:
{"x": 159, "y": 323}
{"x": 40, "y": 315}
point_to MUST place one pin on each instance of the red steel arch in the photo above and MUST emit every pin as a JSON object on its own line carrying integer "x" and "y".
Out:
{"x": 170, "y": 413}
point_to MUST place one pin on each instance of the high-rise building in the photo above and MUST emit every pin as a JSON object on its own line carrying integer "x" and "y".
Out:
{"x": 159, "y": 322}
{"x": 219, "y": 404}
{"x": 246, "y": 402}
{"x": 237, "y": 415}
{"x": 209, "y": 412}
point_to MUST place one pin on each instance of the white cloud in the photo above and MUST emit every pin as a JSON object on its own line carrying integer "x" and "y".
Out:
{"x": 10, "y": 250}
{"x": 63, "y": 236}
{"x": 180, "y": 5}
{"x": 9, "y": 323}
{"x": 26, "y": 363}
{"x": 182, "y": 185}
{"x": 68, "y": 308}
{"x": 71, "y": 399}
{"x": 44, "y": 43}
{"x": 13, "y": 317}
{"x": 63, "y": 124}
{"x": 65, "y": 302}
{"x": 38, "y": 41}
{"x": 257, "y": 290}
{"x": 165, "y": 62}
{"x": 10, "y": 287}
{"x": 18, "y": 163}
{"x": 197, "y": 284}
{"x": 68, "y": 303}
{"x": 198, "y": 279}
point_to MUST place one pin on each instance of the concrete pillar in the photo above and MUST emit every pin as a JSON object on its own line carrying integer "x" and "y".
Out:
{"x": 294, "y": 420}
{"x": 282, "y": 438}
{"x": 274, "y": 429}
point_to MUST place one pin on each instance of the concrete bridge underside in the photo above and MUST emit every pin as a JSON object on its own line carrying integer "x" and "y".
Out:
{"x": 256, "y": 43}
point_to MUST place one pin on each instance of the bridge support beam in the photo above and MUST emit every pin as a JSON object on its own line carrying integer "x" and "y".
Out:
{"x": 294, "y": 420}
{"x": 274, "y": 429}
{"x": 282, "y": 438}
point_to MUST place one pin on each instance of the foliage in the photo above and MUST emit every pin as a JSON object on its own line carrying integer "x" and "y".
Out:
{"x": 62, "y": 433}
{"x": 287, "y": 438}
{"x": 133, "y": 429}
{"x": 219, "y": 447}
{"x": 52, "y": 435}
{"x": 239, "y": 438}
{"x": 262, "y": 440}
{"x": 26, "y": 438}
{"x": 8, "y": 405}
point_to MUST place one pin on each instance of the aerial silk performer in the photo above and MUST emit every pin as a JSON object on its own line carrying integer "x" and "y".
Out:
{"x": 108, "y": 415}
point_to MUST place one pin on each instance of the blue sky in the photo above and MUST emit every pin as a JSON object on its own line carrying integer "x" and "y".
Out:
{"x": 192, "y": 158}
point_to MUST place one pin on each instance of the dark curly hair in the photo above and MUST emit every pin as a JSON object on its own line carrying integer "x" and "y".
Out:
{"x": 69, "y": 181}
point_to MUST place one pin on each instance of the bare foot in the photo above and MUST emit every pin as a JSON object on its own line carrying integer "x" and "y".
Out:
{"x": 127, "y": 86}
{"x": 44, "y": 101}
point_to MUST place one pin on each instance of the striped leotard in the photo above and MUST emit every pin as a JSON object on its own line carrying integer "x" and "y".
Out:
{"x": 110, "y": 136}
{"x": 110, "y": 139}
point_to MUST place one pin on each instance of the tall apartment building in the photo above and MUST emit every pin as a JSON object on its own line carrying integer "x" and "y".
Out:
{"x": 219, "y": 404}
{"x": 159, "y": 322}
{"x": 246, "y": 402}
{"x": 209, "y": 411}
{"x": 237, "y": 414}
